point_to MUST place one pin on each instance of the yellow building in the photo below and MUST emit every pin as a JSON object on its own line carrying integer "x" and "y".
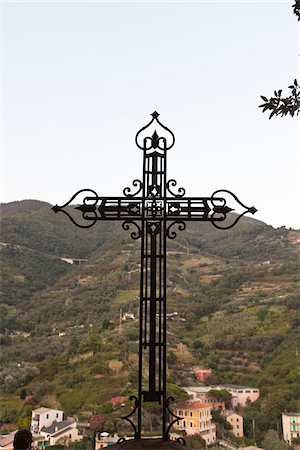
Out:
{"x": 236, "y": 421}
{"x": 196, "y": 419}
{"x": 290, "y": 426}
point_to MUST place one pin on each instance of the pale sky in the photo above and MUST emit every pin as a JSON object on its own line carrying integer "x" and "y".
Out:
{"x": 79, "y": 79}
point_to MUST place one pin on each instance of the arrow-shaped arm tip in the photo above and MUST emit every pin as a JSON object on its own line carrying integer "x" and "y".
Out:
{"x": 252, "y": 210}
{"x": 56, "y": 208}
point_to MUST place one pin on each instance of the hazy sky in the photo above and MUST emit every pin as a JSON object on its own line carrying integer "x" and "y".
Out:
{"x": 80, "y": 78}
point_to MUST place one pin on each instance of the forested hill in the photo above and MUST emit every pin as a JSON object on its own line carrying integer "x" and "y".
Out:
{"x": 32, "y": 223}
{"x": 235, "y": 294}
{"x": 22, "y": 206}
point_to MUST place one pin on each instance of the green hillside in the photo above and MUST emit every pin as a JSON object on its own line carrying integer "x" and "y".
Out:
{"x": 236, "y": 294}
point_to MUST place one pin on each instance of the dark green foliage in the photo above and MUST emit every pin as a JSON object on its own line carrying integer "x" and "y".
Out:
{"x": 221, "y": 420}
{"x": 23, "y": 393}
{"x": 197, "y": 344}
{"x": 87, "y": 443}
{"x": 53, "y": 234}
{"x": 222, "y": 395}
{"x": 24, "y": 272}
{"x": 271, "y": 441}
{"x": 195, "y": 441}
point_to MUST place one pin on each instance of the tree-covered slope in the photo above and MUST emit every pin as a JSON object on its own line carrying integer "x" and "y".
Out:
{"x": 235, "y": 294}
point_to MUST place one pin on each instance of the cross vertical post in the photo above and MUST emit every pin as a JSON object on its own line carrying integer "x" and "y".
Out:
{"x": 154, "y": 211}
{"x": 153, "y": 277}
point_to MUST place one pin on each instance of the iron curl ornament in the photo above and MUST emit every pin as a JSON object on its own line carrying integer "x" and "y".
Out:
{"x": 153, "y": 210}
{"x": 127, "y": 417}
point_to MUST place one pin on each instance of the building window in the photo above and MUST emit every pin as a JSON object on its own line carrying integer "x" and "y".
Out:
{"x": 237, "y": 434}
{"x": 57, "y": 415}
{"x": 237, "y": 426}
{"x": 191, "y": 414}
{"x": 191, "y": 424}
{"x": 237, "y": 419}
{"x": 47, "y": 416}
{"x": 184, "y": 424}
{"x": 70, "y": 436}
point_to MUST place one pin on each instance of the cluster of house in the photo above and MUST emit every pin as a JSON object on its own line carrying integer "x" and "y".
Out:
{"x": 196, "y": 413}
{"x": 49, "y": 426}
{"x": 197, "y": 418}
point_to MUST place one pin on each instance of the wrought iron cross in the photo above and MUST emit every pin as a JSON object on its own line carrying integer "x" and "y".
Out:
{"x": 157, "y": 210}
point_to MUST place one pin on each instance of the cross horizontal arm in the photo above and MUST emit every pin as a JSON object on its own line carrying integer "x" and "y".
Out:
{"x": 197, "y": 208}
{"x": 212, "y": 209}
{"x": 94, "y": 208}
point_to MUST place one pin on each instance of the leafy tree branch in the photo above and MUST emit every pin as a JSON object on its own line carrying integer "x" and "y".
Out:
{"x": 280, "y": 106}
{"x": 296, "y": 8}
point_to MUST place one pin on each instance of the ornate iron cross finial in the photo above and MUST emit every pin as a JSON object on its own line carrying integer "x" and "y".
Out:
{"x": 154, "y": 209}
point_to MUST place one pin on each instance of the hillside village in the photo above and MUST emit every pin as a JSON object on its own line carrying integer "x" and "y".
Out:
{"x": 69, "y": 307}
{"x": 206, "y": 414}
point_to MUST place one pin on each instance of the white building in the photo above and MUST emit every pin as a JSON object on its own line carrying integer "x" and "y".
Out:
{"x": 44, "y": 417}
{"x": 241, "y": 395}
{"x": 202, "y": 393}
{"x": 103, "y": 440}
{"x": 65, "y": 431}
{"x": 290, "y": 426}
{"x": 197, "y": 391}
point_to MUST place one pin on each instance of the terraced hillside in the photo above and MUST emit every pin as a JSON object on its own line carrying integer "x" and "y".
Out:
{"x": 235, "y": 293}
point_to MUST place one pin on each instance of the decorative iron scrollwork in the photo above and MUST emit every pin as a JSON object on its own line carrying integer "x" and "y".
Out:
{"x": 218, "y": 208}
{"x": 180, "y": 191}
{"x": 171, "y": 399}
{"x": 154, "y": 190}
{"x": 136, "y": 234}
{"x": 181, "y": 226}
{"x": 154, "y": 141}
{"x": 136, "y": 405}
{"x": 127, "y": 190}
{"x": 153, "y": 209}
{"x": 153, "y": 228}
{"x": 91, "y": 219}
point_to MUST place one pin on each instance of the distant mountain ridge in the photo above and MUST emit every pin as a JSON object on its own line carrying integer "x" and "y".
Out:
{"x": 22, "y": 206}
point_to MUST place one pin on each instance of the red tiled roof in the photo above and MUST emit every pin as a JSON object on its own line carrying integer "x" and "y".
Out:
{"x": 193, "y": 405}
{"x": 119, "y": 399}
